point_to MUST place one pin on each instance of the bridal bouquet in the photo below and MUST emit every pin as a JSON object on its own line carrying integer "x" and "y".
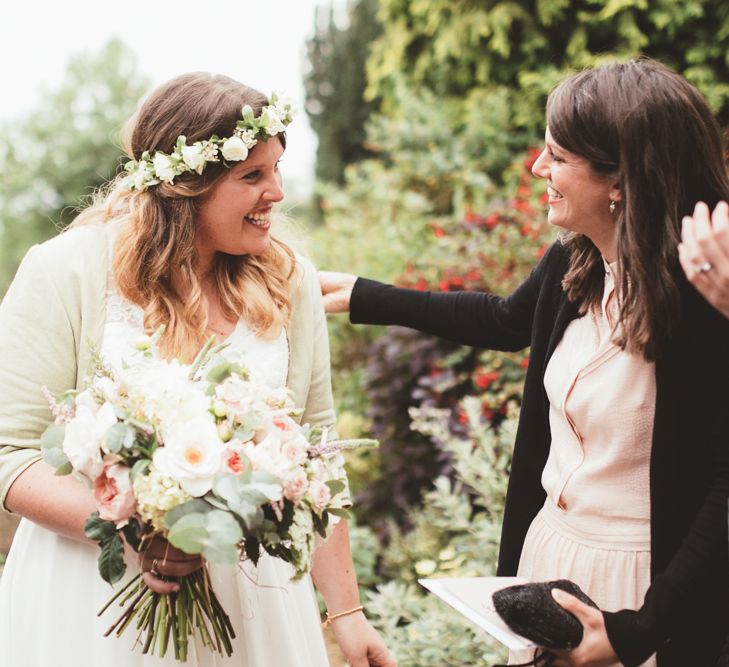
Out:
{"x": 205, "y": 458}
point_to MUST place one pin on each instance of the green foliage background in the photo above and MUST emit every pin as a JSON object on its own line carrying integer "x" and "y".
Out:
{"x": 61, "y": 151}
{"x": 459, "y": 88}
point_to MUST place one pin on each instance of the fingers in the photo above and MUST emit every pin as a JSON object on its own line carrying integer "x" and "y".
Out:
{"x": 168, "y": 566}
{"x": 706, "y": 237}
{"x": 584, "y": 613}
{"x": 704, "y": 253}
{"x": 159, "y": 585}
{"x": 336, "y": 289}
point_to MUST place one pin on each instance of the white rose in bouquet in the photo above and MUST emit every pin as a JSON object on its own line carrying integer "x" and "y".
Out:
{"x": 162, "y": 391}
{"x": 84, "y": 438}
{"x": 193, "y": 454}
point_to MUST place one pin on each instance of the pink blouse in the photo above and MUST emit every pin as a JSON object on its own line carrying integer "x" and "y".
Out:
{"x": 602, "y": 404}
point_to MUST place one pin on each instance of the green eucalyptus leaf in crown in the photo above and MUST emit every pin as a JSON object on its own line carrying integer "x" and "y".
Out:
{"x": 151, "y": 170}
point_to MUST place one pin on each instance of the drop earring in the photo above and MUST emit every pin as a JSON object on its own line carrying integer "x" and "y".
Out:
{"x": 612, "y": 206}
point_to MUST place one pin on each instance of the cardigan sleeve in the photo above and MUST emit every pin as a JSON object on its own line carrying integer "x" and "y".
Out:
{"x": 479, "y": 319}
{"x": 37, "y": 348}
{"x": 319, "y": 407}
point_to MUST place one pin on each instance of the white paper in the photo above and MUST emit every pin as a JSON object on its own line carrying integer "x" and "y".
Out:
{"x": 471, "y": 596}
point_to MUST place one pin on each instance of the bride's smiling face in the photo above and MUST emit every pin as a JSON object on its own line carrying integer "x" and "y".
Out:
{"x": 235, "y": 218}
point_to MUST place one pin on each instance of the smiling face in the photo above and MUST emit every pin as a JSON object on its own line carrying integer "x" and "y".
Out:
{"x": 579, "y": 197}
{"x": 235, "y": 217}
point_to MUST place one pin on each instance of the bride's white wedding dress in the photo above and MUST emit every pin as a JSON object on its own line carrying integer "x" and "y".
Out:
{"x": 51, "y": 591}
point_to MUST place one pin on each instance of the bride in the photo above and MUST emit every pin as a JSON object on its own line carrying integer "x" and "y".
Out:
{"x": 183, "y": 240}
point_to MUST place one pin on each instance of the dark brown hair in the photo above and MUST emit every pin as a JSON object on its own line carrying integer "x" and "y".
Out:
{"x": 648, "y": 128}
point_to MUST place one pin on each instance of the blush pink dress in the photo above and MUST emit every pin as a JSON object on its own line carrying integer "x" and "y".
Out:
{"x": 594, "y": 527}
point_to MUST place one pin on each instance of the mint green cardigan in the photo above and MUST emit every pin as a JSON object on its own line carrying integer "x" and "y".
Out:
{"x": 52, "y": 317}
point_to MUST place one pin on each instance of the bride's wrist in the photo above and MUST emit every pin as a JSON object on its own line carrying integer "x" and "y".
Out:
{"x": 331, "y": 617}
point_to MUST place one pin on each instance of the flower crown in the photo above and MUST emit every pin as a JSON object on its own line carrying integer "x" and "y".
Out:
{"x": 152, "y": 169}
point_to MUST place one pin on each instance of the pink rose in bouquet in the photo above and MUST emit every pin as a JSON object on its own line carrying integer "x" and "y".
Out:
{"x": 113, "y": 492}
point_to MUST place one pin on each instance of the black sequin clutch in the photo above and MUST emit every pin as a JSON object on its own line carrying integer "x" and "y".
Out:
{"x": 532, "y": 612}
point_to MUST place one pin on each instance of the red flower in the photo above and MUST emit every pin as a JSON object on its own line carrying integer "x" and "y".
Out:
{"x": 524, "y": 363}
{"x": 421, "y": 284}
{"x": 484, "y": 380}
{"x": 438, "y": 231}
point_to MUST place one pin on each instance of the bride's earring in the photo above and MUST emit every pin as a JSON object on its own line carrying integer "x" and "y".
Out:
{"x": 612, "y": 206}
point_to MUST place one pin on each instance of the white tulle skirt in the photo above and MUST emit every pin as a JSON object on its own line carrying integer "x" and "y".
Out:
{"x": 50, "y": 593}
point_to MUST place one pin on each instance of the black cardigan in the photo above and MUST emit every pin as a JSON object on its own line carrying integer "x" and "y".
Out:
{"x": 685, "y": 615}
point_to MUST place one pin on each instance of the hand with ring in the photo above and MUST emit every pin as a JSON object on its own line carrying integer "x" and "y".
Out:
{"x": 704, "y": 253}
{"x": 161, "y": 564}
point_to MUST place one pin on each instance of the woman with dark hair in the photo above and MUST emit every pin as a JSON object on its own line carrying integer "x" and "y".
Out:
{"x": 620, "y": 471}
{"x": 183, "y": 239}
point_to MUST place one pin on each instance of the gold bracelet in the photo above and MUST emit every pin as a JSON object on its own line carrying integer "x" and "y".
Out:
{"x": 331, "y": 617}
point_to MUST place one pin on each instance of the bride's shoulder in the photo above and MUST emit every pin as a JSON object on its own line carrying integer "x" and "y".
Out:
{"x": 76, "y": 248}
{"x": 304, "y": 276}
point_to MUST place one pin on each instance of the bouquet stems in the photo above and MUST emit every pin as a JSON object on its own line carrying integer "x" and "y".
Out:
{"x": 194, "y": 611}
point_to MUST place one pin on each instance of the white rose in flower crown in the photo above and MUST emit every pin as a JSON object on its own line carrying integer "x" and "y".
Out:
{"x": 192, "y": 455}
{"x": 194, "y": 157}
{"x": 84, "y": 437}
{"x": 235, "y": 149}
{"x": 164, "y": 167}
{"x": 272, "y": 120}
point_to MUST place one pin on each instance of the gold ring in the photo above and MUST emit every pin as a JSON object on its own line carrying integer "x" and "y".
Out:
{"x": 153, "y": 569}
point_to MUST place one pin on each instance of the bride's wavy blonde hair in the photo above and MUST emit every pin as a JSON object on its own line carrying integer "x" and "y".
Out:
{"x": 155, "y": 255}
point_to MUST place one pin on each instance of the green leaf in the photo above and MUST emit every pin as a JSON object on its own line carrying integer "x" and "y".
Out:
{"x": 215, "y": 535}
{"x": 111, "y": 560}
{"x": 339, "y": 511}
{"x": 189, "y": 533}
{"x": 242, "y": 498}
{"x": 133, "y": 534}
{"x": 51, "y": 443}
{"x": 98, "y": 529}
{"x": 224, "y": 534}
{"x": 120, "y": 436}
{"x": 219, "y": 372}
{"x": 65, "y": 469}
{"x": 196, "y": 505}
{"x": 336, "y": 486}
{"x": 320, "y": 524}
{"x": 253, "y": 549}
{"x": 139, "y": 468}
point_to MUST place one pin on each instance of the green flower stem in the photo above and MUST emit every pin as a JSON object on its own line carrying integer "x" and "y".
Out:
{"x": 151, "y": 625}
{"x": 122, "y": 590}
{"x": 194, "y": 610}
{"x": 126, "y": 615}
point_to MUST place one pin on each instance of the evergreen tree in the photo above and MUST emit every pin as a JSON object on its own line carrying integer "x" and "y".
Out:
{"x": 335, "y": 86}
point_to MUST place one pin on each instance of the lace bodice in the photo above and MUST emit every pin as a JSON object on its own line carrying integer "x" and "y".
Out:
{"x": 267, "y": 360}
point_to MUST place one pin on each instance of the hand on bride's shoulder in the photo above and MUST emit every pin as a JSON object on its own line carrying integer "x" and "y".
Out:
{"x": 336, "y": 289}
